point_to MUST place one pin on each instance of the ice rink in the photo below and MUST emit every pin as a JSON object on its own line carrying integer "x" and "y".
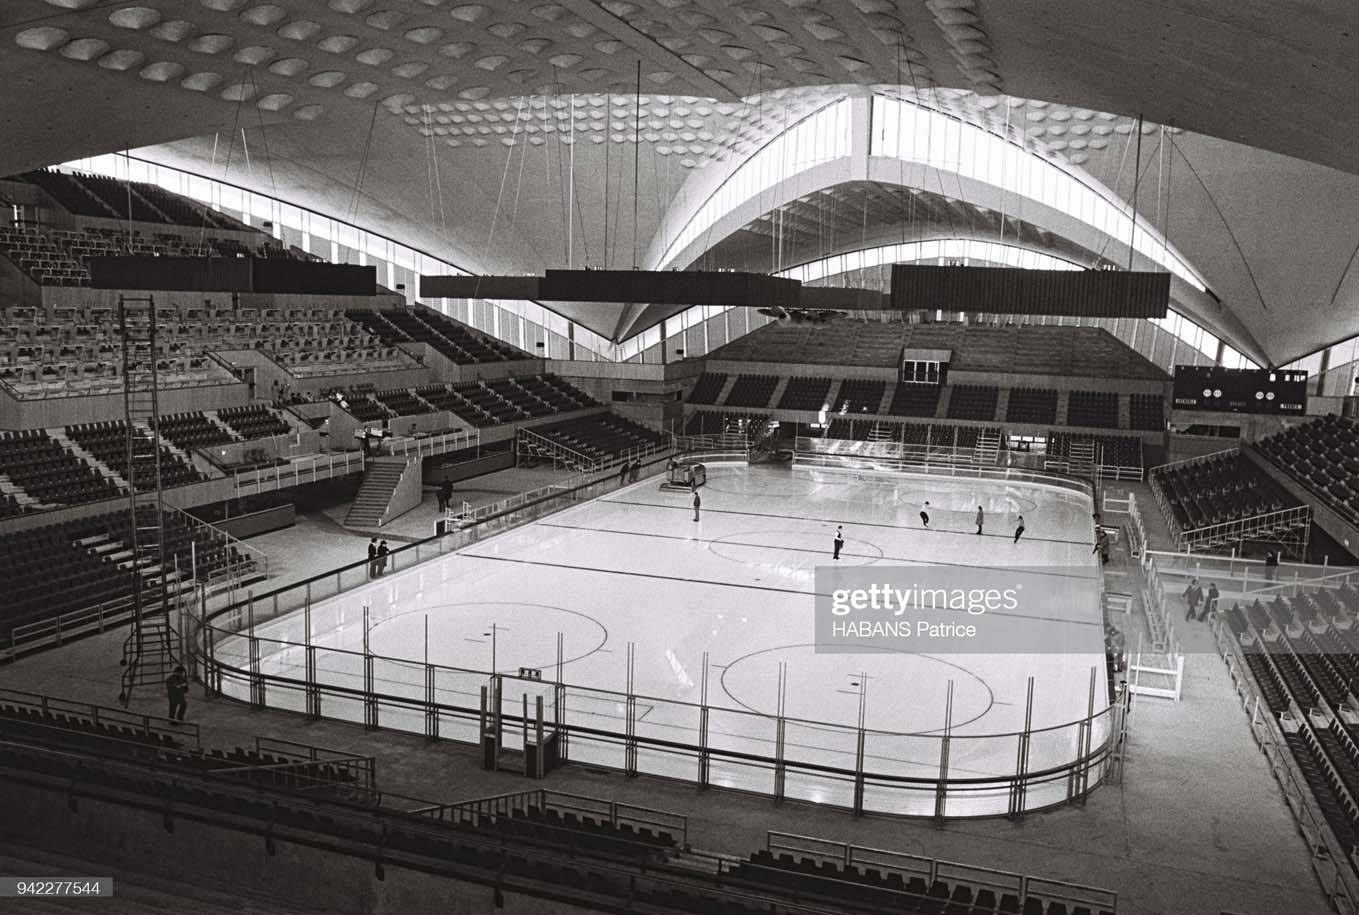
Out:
{"x": 634, "y": 567}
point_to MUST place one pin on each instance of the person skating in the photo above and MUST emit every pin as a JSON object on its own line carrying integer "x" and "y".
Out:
{"x": 839, "y": 540}
{"x": 1019, "y": 531}
{"x": 981, "y": 519}
{"x": 925, "y": 514}
{"x": 697, "y": 503}
{"x": 177, "y": 691}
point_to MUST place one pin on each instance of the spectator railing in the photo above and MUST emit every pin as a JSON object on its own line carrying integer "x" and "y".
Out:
{"x": 298, "y": 472}
{"x": 528, "y": 442}
{"x": 432, "y": 445}
{"x": 931, "y": 870}
{"x": 183, "y": 732}
{"x": 1238, "y": 529}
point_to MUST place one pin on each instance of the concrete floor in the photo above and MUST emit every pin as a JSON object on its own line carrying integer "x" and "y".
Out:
{"x": 1197, "y": 825}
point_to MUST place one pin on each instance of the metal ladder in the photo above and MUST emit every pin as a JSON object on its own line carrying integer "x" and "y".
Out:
{"x": 150, "y": 652}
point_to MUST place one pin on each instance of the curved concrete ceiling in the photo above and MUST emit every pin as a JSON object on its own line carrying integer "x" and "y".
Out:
{"x": 526, "y": 111}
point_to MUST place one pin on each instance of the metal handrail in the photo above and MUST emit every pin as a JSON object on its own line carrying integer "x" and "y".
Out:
{"x": 1243, "y": 527}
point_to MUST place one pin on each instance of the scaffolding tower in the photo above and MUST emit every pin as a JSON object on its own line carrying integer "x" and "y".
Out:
{"x": 150, "y": 652}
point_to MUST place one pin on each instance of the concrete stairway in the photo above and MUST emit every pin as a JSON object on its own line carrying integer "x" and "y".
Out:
{"x": 374, "y": 503}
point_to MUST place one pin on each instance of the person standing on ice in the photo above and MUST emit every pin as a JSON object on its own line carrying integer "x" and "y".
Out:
{"x": 925, "y": 514}
{"x": 839, "y": 540}
{"x": 981, "y": 518}
{"x": 697, "y": 503}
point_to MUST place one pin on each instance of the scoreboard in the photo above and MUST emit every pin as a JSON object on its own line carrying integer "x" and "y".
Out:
{"x": 1210, "y": 387}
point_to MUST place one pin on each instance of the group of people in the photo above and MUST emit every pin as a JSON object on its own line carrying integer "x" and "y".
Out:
{"x": 1193, "y": 596}
{"x": 377, "y": 557}
{"x": 628, "y": 472}
{"x": 980, "y": 520}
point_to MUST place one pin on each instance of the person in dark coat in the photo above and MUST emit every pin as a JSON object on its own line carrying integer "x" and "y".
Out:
{"x": 1272, "y": 566}
{"x": 1019, "y": 531}
{"x": 697, "y": 503}
{"x": 1192, "y": 595}
{"x": 925, "y": 514}
{"x": 445, "y": 495}
{"x": 372, "y": 558}
{"x": 177, "y": 691}
{"x": 1210, "y": 603}
{"x": 382, "y": 552}
{"x": 1102, "y": 546}
{"x": 839, "y": 540}
{"x": 623, "y": 474}
{"x": 981, "y": 519}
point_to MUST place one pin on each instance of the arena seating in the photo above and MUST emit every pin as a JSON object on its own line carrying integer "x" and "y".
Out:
{"x": 603, "y": 436}
{"x": 559, "y": 394}
{"x": 78, "y": 351}
{"x": 751, "y": 391}
{"x": 810, "y": 394}
{"x": 706, "y": 389}
{"x": 514, "y": 393}
{"x": 443, "y": 397}
{"x": 488, "y": 401}
{"x": 193, "y": 430}
{"x": 44, "y": 262}
{"x": 915, "y": 399}
{"x": 253, "y": 421}
{"x": 1006, "y": 349}
{"x": 49, "y": 473}
{"x": 76, "y": 564}
{"x": 366, "y": 410}
{"x": 107, "y": 441}
{"x": 1323, "y": 456}
{"x": 970, "y": 401}
{"x": 1032, "y": 405}
{"x": 402, "y": 402}
{"x": 1096, "y": 409}
{"x": 1147, "y": 412}
{"x": 1218, "y": 489}
{"x": 1303, "y": 654}
{"x": 96, "y": 195}
{"x": 859, "y": 395}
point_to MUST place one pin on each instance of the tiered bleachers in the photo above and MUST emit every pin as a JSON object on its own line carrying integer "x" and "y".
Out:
{"x": 859, "y": 395}
{"x": 77, "y": 351}
{"x": 77, "y": 564}
{"x": 513, "y": 392}
{"x": 402, "y": 402}
{"x": 1027, "y": 349}
{"x": 489, "y": 402}
{"x": 1147, "y": 412}
{"x": 1323, "y": 456}
{"x": 560, "y": 395}
{"x": 915, "y": 399}
{"x": 97, "y": 195}
{"x": 1096, "y": 409}
{"x": 603, "y": 436}
{"x": 1110, "y": 450}
{"x": 107, "y": 441}
{"x": 812, "y": 394}
{"x": 706, "y": 389}
{"x": 46, "y": 263}
{"x": 971, "y": 401}
{"x": 752, "y": 391}
{"x": 442, "y": 397}
{"x": 1216, "y": 490}
{"x": 366, "y": 410}
{"x": 1303, "y": 654}
{"x": 456, "y": 341}
{"x": 1032, "y": 405}
{"x": 48, "y": 472}
{"x": 253, "y": 421}
{"x": 193, "y": 430}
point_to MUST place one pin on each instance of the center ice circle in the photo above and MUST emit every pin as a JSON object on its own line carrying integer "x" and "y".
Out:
{"x": 906, "y": 693}
{"x": 460, "y": 635}
{"x": 794, "y": 549}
